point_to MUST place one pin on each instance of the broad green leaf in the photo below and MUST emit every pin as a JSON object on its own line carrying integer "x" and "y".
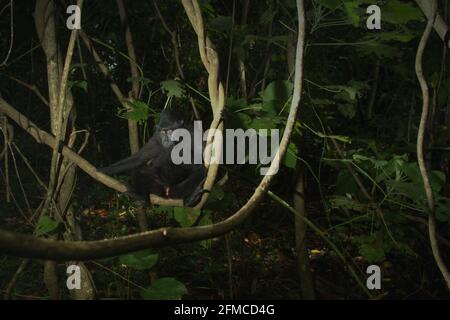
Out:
{"x": 45, "y": 225}
{"x": 141, "y": 260}
{"x": 352, "y": 13}
{"x": 348, "y": 92}
{"x": 139, "y": 111}
{"x": 437, "y": 178}
{"x": 371, "y": 247}
{"x": 217, "y": 193}
{"x": 372, "y": 253}
{"x": 265, "y": 123}
{"x": 343, "y": 202}
{"x": 235, "y": 103}
{"x": 78, "y": 84}
{"x": 277, "y": 90}
{"x": 142, "y": 80}
{"x": 412, "y": 190}
{"x": 173, "y": 88}
{"x": 269, "y": 107}
{"x": 244, "y": 120}
{"x": 165, "y": 289}
{"x": 164, "y": 210}
{"x": 185, "y": 216}
{"x": 398, "y": 12}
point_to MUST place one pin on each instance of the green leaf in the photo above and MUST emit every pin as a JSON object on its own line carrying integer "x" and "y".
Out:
{"x": 343, "y": 202}
{"x": 139, "y": 111}
{"x": 173, "y": 88}
{"x": 217, "y": 193}
{"x": 277, "y": 90}
{"x": 398, "y": 12}
{"x": 352, "y": 13}
{"x": 370, "y": 247}
{"x": 437, "y": 178}
{"x": 165, "y": 289}
{"x": 185, "y": 216}
{"x": 349, "y": 92}
{"x": 395, "y": 36}
{"x": 235, "y": 103}
{"x": 143, "y": 80}
{"x": 141, "y": 260}
{"x": 45, "y": 225}
{"x": 168, "y": 210}
{"x": 372, "y": 253}
{"x": 265, "y": 123}
{"x": 290, "y": 159}
{"x": 269, "y": 107}
{"x": 77, "y": 84}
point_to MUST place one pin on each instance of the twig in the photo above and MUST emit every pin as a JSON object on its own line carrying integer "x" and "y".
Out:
{"x": 33, "y": 88}
{"x": 13, "y": 281}
{"x": 11, "y": 31}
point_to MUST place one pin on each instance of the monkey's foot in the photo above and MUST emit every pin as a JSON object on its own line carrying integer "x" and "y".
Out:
{"x": 195, "y": 197}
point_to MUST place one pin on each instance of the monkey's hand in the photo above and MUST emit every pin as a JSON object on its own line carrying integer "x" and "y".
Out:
{"x": 194, "y": 197}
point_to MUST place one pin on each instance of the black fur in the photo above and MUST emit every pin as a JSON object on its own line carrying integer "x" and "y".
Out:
{"x": 153, "y": 172}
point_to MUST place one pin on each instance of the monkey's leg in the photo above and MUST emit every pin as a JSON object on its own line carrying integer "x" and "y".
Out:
{"x": 123, "y": 165}
{"x": 146, "y": 180}
{"x": 190, "y": 189}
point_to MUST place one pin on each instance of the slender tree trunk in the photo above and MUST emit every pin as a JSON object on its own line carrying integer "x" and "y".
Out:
{"x": 304, "y": 271}
{"x": 62, "y": 113}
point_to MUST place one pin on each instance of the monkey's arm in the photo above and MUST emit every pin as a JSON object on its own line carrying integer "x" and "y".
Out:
{"x": 147, "y": 154}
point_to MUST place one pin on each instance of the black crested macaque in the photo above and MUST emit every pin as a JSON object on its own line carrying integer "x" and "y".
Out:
{"x": 153, "y": 172}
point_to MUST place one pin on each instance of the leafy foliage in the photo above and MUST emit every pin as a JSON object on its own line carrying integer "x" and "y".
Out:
{"x": 165, "y": 289}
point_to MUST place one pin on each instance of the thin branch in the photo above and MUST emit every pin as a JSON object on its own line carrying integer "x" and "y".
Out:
{"x": 11, "y": 41}
{"x": 33, "y": 88}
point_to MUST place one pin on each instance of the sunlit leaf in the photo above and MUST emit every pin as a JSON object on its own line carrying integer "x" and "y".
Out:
{"x": 45, "y": 225}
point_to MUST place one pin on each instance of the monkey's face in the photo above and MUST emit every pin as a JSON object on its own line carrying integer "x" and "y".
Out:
{"x": 168, "y": 123}
{"x": 165, "y": 136}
